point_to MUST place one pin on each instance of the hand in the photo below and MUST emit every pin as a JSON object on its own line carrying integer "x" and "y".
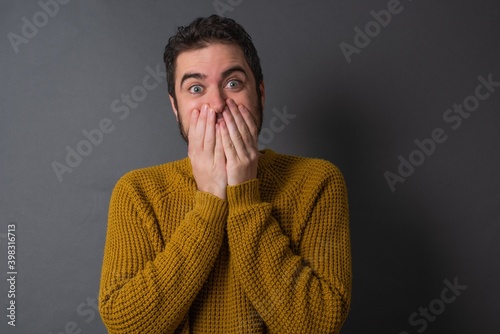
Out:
{"x": 239, "y": 139}
{"x": 206, "y": 152}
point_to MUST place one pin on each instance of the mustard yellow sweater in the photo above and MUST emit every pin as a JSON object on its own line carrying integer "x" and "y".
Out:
{"x": 272, "y": 258}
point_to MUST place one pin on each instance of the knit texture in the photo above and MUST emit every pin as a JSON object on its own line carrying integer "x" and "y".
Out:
{"x": 272, "y": 258}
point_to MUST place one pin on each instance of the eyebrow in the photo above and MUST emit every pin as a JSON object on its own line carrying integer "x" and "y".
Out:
{"x": 225, "y": 74}
{"x": 233, "y": 69}
{"x": 192, "y": 75}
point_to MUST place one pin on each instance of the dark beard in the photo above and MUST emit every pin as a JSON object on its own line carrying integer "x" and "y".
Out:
{"x": 183, "y": 133}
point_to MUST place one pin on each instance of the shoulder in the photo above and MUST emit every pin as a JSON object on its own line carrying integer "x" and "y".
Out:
{"x": 154, "y": 181}
{"x": 285, "y": 167}
{"x": 299, "y": 180}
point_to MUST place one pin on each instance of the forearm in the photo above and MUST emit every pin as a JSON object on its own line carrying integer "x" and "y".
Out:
{"x": 301, "y": 292}
{"x": 147, "y": 292}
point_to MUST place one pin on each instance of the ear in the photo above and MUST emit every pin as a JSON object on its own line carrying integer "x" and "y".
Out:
{"x": 262, "y": 89}
{"x": 172, "y": 102}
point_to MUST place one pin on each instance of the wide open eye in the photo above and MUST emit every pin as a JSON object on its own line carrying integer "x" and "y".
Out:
{"x": 233, "y": 84}
{"x": 195, "y": 89}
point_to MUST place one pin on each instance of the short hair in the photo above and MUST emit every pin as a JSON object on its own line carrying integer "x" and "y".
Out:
{"x": 204, "y": 31}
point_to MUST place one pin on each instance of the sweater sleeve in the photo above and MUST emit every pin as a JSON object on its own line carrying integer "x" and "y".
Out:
{"x": 306, "y": 291}
{"x": 148, "y": 287}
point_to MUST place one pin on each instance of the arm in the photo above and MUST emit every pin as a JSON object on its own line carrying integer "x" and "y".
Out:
{"x": 306, "y": 291}
{"x": 147, "y": 287}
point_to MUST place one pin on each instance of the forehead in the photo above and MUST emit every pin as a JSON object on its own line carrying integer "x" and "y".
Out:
{"x": 210, "y": 60}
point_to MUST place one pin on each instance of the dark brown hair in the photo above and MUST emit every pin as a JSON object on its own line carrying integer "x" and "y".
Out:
{"x": 208, "y": 30}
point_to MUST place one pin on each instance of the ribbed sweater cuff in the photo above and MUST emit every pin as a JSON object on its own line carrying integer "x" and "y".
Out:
{"x": 209, "y": 207}
{"x": 243, "y": 196}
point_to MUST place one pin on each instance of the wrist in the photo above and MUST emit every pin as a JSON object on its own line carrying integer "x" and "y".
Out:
{"x": 216, "y": 190}
{"x": 210, "y": 208}
{"x": 243, "y": 196}
{"x": 240, "y": 178}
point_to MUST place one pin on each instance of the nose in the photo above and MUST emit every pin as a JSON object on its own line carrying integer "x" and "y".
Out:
{"x": 216, "y": 99}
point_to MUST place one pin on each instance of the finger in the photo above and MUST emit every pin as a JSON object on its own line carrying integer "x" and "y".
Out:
{"x": 227, "y": 143}
{"x": 219, "y": 156}
{"x": 210, "y": 129}
{"x": 236, "y": 136}
{"x": 247, "y": 130}
{"x": 194, "y": 120}
{"x": 250, "y": 122}
{"x": 192, "y": 142}
{"x": 201, "y": 125}
{"x": 238, "y": 118}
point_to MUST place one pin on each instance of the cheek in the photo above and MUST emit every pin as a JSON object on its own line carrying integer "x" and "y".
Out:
{"x": 244, "y": 97}
{"x": 185, "y": 109}
{"x": 189, "y": 105}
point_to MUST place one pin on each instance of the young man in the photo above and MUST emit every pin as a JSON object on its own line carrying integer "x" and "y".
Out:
{"x": 229, "y": 239}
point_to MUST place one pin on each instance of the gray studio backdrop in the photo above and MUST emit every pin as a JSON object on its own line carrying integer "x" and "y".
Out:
{"x": 403, "y": 96}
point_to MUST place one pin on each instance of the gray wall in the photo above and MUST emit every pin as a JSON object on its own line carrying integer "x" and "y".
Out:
{"x": 359, "y": 103}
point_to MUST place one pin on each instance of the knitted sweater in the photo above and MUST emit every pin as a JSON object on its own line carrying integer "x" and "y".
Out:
{"x": 272, "y": 258}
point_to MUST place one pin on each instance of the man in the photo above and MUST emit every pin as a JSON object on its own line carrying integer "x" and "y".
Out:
{"x": 229, "y": 239}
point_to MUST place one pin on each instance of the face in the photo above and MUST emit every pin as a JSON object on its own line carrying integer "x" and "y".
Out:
{"x": 212, "y": 75}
